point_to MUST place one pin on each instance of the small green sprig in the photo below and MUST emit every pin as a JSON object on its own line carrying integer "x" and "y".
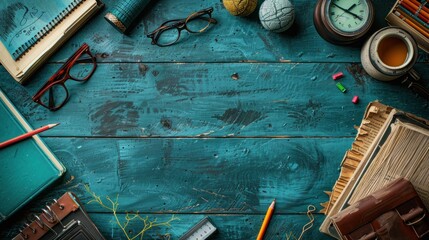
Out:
{"x": 129, "y": 217}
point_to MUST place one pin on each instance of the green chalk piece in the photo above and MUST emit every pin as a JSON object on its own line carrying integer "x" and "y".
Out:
{"x": 124, "y": 13}
{"x": 341, "y": 87}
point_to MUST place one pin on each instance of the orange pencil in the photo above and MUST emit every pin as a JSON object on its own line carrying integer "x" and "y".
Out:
{"x": 412, "y": 9}
{"x": 26, "y": 135}
{"x": 266, "y": 220}
{"x": 416, "y": 7}
{"x": 421, "y": 5}
{"x": 409, "y": 22}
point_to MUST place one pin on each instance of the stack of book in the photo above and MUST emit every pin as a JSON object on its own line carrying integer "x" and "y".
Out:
{"x": 390, "y": 144}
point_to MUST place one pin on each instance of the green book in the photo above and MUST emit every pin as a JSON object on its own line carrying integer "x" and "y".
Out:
{"x": 27, "y": 167}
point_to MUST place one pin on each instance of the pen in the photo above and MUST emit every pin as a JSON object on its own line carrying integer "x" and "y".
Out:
{"x": 266, "y": 220}
{"x": 26, "y": 135}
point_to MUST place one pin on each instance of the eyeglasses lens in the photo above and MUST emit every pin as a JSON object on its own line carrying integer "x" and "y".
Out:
{"x": 82, "y": 68}
{"x": 54, "y": 97}
{"x": 196, "y": 24}
{"x": 168, "y": 37}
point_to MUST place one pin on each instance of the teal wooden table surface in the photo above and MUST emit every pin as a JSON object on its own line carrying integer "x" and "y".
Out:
{"x": 171, "y": 132}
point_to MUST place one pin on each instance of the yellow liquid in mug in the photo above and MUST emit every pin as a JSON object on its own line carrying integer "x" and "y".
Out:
{"x": 392, "y": 51}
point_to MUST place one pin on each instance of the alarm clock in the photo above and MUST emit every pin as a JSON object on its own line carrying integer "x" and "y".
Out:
{"x": 343, "y": 21}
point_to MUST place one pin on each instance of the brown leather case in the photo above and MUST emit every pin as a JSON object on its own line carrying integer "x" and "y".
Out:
{"x": 394, "y": 212}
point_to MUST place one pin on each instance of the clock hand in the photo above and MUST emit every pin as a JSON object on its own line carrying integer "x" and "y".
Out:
{"x": 348, "y": 11}
{"x": 350, "y": 8}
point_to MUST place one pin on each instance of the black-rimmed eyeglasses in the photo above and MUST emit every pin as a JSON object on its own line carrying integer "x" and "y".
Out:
{"x": 169, "y": 32}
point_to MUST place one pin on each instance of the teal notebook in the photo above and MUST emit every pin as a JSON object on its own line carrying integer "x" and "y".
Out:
{"x": 27, "y": 167}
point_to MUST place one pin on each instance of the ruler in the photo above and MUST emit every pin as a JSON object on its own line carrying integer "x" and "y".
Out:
{"x": 202, "y": 230}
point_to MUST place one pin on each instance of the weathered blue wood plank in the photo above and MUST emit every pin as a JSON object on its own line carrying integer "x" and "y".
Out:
{"x": 199, "y": 175}
{"x": 147, "y": 100}
{"x": 233, "y": 39}
{"x": 229, "y": 226}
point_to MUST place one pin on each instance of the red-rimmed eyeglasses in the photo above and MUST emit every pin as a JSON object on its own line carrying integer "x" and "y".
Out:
{"x": 79, "y": 67}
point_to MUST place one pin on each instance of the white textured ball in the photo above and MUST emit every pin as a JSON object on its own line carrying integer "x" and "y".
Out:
{"x": 277, "y": 15}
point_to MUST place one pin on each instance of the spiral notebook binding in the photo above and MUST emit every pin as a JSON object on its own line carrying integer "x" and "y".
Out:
{"x": 52, "y": 214}
{"x": 38, "y": 221}
{"x": 61, "y": 219}
{"x": 46, "y": 29}
{"x": 48, "y": 214}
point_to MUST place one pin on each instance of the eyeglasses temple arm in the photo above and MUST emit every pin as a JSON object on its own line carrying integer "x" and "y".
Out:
{"x": 211, "y": 20}
{"x": 206, "y": 10}
{"x": 179, "y": 21}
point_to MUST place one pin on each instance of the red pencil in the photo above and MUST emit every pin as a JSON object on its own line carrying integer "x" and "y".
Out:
{"x": 26, "y": 135}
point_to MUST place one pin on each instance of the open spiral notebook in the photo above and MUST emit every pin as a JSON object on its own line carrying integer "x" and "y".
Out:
{"x": 31, "y": 30}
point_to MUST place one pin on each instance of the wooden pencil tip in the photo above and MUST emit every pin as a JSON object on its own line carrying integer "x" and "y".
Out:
{"x": 53, "y": 125}
{"x": 273, "y": 203}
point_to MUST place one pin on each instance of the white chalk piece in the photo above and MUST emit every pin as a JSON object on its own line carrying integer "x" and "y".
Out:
{"x": 277, "y": 15}
{"x": 202, "y": 230}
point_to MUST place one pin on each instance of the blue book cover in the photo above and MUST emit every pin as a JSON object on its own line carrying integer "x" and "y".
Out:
{"x": 27, "y": 167}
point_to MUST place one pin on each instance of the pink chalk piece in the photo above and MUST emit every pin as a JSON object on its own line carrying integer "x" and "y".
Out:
{"x": 355, "y": 99}
{"x": 337, "y": 75}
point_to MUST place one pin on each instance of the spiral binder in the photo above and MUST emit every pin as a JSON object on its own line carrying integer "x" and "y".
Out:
{"x": 45, "y": 29}
{"x": 62, "y": 219}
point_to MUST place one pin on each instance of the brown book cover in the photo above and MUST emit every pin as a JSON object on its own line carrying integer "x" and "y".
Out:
{"x": 393, "y": 212}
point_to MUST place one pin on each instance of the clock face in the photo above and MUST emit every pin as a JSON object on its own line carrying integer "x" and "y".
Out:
{"x": 347, "y": 16}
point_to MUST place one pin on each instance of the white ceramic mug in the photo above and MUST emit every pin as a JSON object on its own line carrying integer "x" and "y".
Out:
{"x": 389, "y": 53}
